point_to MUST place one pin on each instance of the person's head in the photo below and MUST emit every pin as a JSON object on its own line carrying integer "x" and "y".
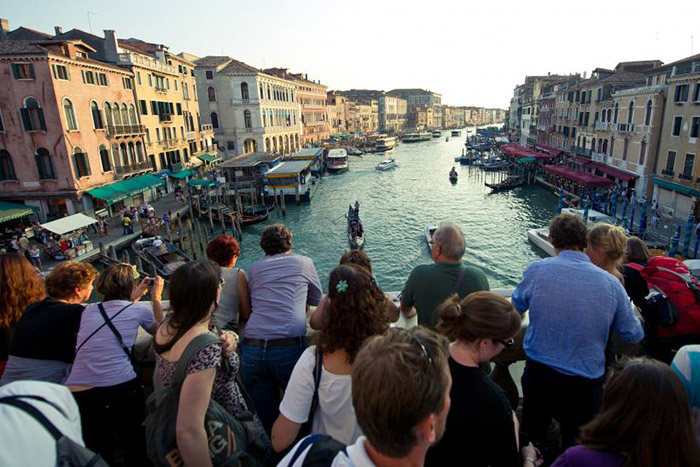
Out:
{"x": 568, "y": 232}
{"x": 275, "y": 239}
{"x": 194, "y": 293}
{"x": 636, "y": 251}
{"x": 224, "y": 251}
{"x": 358, "y": 257}
{"x": 484, "y": 321}
{"x": 645, "y": 415}
{"x": 401, "y": 390}
{"x": 20, "y": 285}
{"x": 117, "y": 282}
{"x": 356, "y": 310}
{"x": 448, "y": 242}
{"x": 606, "y": 244}
{"x": 71, "y": 282}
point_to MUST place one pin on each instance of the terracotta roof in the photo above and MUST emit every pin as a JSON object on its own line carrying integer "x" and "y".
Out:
{"x": 212, "y": 60}
{"x": 668, "y": 66}
{"x": 75, "y": 32}
{"x": 138, "y": 46}
{"x": 623, "y": 76}
{"x": 235, "y": 67}
{"x": 21, "y": 48}
{"x": 23, "y": 33}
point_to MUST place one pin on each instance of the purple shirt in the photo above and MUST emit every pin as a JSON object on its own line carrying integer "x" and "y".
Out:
{"x": 581, "y": 456}
{"x": 101, "y": 361}
{"x": 280, "y": 288}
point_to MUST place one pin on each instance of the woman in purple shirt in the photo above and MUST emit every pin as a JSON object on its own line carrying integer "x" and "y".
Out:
{"x": 103, "y": 381}
{"x": 644, "y": 422}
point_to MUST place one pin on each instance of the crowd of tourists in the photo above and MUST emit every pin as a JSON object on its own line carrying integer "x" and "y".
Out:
{"x": 264, "y": 369}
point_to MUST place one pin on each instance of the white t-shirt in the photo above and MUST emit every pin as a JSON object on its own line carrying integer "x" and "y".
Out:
{"x": 23, "y": 440}
{"x": 335, "y": 415}
{"x": 356, "y": 456}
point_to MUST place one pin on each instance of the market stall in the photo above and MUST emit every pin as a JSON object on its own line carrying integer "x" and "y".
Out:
{"x": 69, "y": 238}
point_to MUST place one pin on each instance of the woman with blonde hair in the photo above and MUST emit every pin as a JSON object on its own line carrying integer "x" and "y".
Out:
{"x": 481, "y": 421}
{"x": 606, "y": 247}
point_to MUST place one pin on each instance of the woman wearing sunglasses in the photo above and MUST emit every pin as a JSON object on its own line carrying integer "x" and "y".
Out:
{"x": 481, "y": 421}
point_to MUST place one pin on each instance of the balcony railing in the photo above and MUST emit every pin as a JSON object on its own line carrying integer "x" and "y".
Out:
{"x": 625, "y": 127}
{"x": 579, "y": 151}
{"x": 602, "y": 126}
{"x": 191, "y": 135}
{"x": 125, "y": 130}
{"x": 135, "y": 59}
{"x": 598, "y": 157}
{"x": 207, "y": 127}
{"x": 161, "y": 89}
{"x": 171, "y": 143}
{"x": 165, "y": 118}
{"x": 131, "y": 168}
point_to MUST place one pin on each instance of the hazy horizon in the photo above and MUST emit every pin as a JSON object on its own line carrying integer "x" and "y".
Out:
{"x": 474, "y": 55}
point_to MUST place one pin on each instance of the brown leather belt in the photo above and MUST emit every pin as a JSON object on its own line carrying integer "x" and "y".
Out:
{"x": 274, "y": 342}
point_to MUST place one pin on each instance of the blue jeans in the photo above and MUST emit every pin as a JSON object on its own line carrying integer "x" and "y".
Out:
{"x": 266, "y": 372}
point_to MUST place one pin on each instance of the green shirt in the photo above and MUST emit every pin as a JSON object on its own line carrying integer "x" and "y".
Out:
{"x": 430, "y": 284}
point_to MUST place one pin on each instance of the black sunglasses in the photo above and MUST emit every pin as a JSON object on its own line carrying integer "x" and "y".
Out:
{"x": 507, "y": 343}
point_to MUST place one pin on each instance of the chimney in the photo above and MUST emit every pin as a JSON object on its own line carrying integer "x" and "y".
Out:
{"x": 111, "y": 47}
{"x": 58, "y": 30}
{"x": 4, "y": 29}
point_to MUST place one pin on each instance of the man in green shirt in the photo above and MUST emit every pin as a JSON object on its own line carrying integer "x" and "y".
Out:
{"x": 429, "y": 285}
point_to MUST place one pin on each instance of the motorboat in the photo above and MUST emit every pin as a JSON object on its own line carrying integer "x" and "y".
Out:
{"x": 507, "y": 184}
{"x": 161, "y": 254}
{"x": 540, "y": 237}
{"x": 337, "y": 161}
{"x": 430, "y": 229}
{"x": 385, "y": 144}
{"x": 416, "y": 137}
{"x": 356, "y": 233}
{"x": 437, "y": 133}
{"x": 456, "y": 133}
{"x": 353, "y": 151}
{"x": 386, "y": 164}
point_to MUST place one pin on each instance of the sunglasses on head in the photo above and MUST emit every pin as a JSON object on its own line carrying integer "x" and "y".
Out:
{"x": 507, "y": 343}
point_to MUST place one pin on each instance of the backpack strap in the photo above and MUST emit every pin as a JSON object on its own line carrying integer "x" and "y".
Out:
{"x": 114, "y": 329}
{"x": 100, "y": 327}
{"x": 303, "y": 444}
{"x": 458, "y": 282}
{"x": 35, "y": 413}
{"x": 193, "y": 348}
{"x": 323, "y": 451}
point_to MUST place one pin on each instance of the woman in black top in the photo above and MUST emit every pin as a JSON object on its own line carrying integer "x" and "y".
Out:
{"x": 635, "y": 258}
{"x": 481, "y": 424}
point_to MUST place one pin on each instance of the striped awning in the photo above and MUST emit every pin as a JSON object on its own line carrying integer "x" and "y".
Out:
{"x": 11, "y": 211}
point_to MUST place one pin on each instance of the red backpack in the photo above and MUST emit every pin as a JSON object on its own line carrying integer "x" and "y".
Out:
{"x": 671, "y": 278}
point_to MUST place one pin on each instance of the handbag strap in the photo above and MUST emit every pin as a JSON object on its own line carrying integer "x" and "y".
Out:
{"x": 318, "y": 368}
{"x": 458, "y": 282}
{"x": 99, "y": 327}
{"x": 193, "y": 348}
{"x": 111, "y": 326}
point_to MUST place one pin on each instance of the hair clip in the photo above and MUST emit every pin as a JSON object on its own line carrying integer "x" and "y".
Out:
{"x": 341, "y": 286}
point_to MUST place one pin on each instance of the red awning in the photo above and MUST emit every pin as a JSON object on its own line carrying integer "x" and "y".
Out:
{"x": 580, "y": 160}
{"x": 577, "y": 176}
{"x": 548, "y": 150}
{"x": 622, "y": 175}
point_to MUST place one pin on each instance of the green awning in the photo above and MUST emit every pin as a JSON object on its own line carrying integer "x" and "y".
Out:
{"x": 183, "y": 174}
{"x": 121, "y": 190}
{"x": 10, "y": 211}
{"x": 204, "y": 183}
{"x": 209, "y": 158}
{"x": 526, "y": 160}
{"x": 678, "y": 188}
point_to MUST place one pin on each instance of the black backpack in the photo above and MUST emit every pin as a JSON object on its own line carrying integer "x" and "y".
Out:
{"x": 323, "y": 451}
{"x": 232, "y": 440}
{"x": 68, "y": 452}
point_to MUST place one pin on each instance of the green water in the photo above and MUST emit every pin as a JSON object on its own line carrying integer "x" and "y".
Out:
{"x": 396, "y": 205}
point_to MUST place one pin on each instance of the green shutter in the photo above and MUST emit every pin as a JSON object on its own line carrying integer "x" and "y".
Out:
{"x": 26, "y": 120}
{"x": 15, "y": 70}
{"x": 42, "y": 122}
{"x": 31, "y": 70}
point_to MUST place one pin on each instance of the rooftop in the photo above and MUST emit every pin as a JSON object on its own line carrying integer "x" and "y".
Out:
{"x": 289, "y": 168}
{"x": 250, "y": 160}
{"x": 212, "y": 60}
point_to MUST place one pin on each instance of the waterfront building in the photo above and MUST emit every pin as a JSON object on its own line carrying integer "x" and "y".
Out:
{"x": 677, "y": 179}
{"x": 250, "y": 111}
{"x": 437, "y": 117}
{"x": 68, "y": 123}
{"x": 245, "y": 176}
{"x": 336, "y": 113}
{"x": 367, "y": 116}
{"x": 312, "y": 97}
{"x": 417, "y": 96}
{"x": 393, "y": 114}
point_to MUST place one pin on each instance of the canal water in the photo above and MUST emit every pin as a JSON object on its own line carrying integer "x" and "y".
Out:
{"x": 396, "y": 204}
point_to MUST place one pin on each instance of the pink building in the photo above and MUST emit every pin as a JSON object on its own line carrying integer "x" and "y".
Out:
{"x": 67, "y": 124}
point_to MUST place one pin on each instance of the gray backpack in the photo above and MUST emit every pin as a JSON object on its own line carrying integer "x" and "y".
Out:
{"x": 68, "y": 452}
{"x": 232, "y": 440}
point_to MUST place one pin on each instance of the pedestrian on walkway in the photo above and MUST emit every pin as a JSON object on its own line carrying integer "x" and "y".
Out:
{"x": 35, "y": 256}
{"x": 126, "y": 222}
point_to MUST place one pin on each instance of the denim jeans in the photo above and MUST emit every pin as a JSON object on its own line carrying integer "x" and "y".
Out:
{"x": 266, "y": 372}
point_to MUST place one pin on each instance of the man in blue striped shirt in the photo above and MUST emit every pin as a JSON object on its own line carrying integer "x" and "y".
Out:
{"x": 574, "y": 307}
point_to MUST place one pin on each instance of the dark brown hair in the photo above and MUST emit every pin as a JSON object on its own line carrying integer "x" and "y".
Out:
{"x": 356, "y": 310}
{"x": 66, "y": 277}
{"x": 481, "y": 315}
{"x": 645, "y": 416}
{"x": 20, "y": 285}
{"x": 193, "y": 289}
{"x": 636, "y": 251}
{"x": 567, "y": 232}
{"x": 223, "y": 249}
{"x": 275, "y": 239}
{"x": 398, "y": 379}
{"x": 358, "y": 257}
{"x": 117, "y": 282}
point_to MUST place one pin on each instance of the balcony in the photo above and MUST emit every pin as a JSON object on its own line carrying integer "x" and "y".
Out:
{"x": 152, "y": 64}
{"x": 579, "y": 151}
{"x": 603, "y": 126}
{"x": 625, "y": 127}
{"x": 207, "y": 127}
{"x": 161, "y": 89}
{"x": 122, "y": 170}
{"x": 125, "y": 130}
{"x": 190, "y": 135}
{"x": 171, "y": 143}
{"x": 165, "y": 118}
{"x": 599, "y": 157}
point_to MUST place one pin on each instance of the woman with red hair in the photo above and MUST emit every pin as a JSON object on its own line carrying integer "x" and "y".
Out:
{"x": 234, "y": 304}
{"x": 20, "y": 285}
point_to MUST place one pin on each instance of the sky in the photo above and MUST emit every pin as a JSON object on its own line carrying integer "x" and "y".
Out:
{"x": 473, "y": 53}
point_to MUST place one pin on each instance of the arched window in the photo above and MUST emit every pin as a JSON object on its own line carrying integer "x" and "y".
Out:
{"x": 139, "y": 152}
{"x": 642, "y": 152}
{"x": 605, "y": 146}
{"x": 244, "y": 91}
{"x": 262, "y": 92}
{"x": 264, "y": 118}
{"x": 124, "y": 155}
{"x": 104, "y": 158}
{"x": 609, "y": 115}
{"x": 132, "y": 153}
{"x": 96, "y": 116}
{"x": 617, "y": 109}
{"x": 44, "y": 164}
{"x": 108, "y": 114}
{"x": 267, "y": 145}
{"x": 246, "y": 119}
{"x": 268, "y": 92}
{"x": 212, "y": 94}
{"x": 33, "y": 115}
{"x": 647, "y": 114}
{"x": 214, "y": 120}
{"x": 274, "y": 144}
{"x": 584, "y": 143}
{"x": 600, "y": 145}
{"x": 125, "y": 115}
{"x": 69, "y": 112}
{"x": 286, "y": 144}
{"x": 289, "y": 118}
{"x": 630, "y": 112}
{"x": 602, "y": 116}
{"x": 7, "y": 169}
{"x": 82, "y": 164}
{"x": 625, "y": 147}
{"x": 115, "y": 154}
{"x": 117, "y": 115}
{"x": 132, "y": 115}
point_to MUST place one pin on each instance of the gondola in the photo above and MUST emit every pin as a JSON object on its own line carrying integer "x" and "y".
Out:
{"x": 355, "y": 231}
{"x": 161, "y": 254}
{"x": 507, "y": 184}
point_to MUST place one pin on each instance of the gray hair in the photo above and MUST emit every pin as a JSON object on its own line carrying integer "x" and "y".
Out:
{"x": 450, "y": 239}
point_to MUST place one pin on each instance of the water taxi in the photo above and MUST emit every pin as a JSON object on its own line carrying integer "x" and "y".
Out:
{"x": 337, "y": 161}
{"x": 456, "y": 132}
{"x": 437, "y": 133}
{"x": 430, "y": 229}
{"x": 540, "y": 237}
{"x": 386, "y": 164}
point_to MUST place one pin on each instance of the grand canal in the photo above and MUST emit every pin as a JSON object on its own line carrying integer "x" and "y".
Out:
{"x": 396, "y": 205}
